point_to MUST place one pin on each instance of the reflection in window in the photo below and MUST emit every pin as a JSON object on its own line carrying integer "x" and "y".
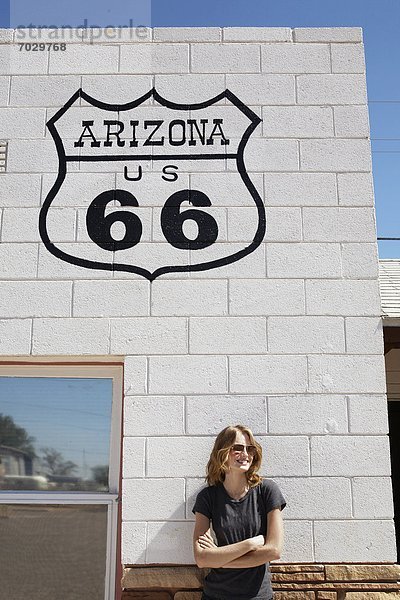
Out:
{"x": 53, "y": 551}
{"x": 55, "y": 433}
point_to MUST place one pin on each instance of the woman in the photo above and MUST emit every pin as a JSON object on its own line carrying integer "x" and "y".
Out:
{"x": 245, "y": 513}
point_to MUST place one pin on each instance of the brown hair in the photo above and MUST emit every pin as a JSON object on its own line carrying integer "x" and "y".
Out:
{"x": 217, "y": 463}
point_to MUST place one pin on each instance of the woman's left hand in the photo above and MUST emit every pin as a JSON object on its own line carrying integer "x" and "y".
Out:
{"x": 206, "y": 541}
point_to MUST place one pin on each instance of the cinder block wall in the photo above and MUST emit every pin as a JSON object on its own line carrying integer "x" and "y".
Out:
{"x": 287, "y": 340}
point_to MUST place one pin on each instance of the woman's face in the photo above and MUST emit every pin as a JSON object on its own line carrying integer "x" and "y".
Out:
{"x": 240, "y": 461}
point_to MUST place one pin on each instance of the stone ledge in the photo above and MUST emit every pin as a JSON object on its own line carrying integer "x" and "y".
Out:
{"x": 298, "y": 576}
{"x": 372, "y": 596}
{"x": 163, "y": 577}
{"x": 296, "y": 581}
{"x": 362, "y": 572}
{"x": 146, "y": 596}
{"x": 339, "y": 586}
{"x": 296, "y": 568}
{"x": 294, "y": 595}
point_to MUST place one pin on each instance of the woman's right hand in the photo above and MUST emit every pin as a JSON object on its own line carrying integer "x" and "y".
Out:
{"x": 257, "y": 541}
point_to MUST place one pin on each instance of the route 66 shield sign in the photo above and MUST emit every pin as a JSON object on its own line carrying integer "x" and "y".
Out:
{"x": 167, "y": 187}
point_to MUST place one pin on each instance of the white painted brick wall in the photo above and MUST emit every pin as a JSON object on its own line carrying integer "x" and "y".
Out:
{"x": 188, "y": 374}
{"x": 342, "y": 297}
{"x": 48, "y": 91}
{"x": 134, "y": 450}
{"x": 277, "y": 374}
{"x": 174, "y": 535}
{"x": 262, "y": 89}
{"x": 287, "y": 340}
{"x": 286, "y": 455}
{"x": 355, "y": 189}
{"x": 300, "y": 189}
{"x": 18, "y": 261}
{"x": 367, "y": 503}
{"x": 4, "y": 87}
{"x": 227, "y": 335}
{"x": 257, "y": 34}
{"x": 367, "y": 414}
{"x": 35, "y": 299}
{"x": 365, "y": 455}
{"x": 149, "y": 58}
{"x": 21, "y": 225}
{"x": 305, "y": 335}
{"x": 272, "y": 155}
{"x": 135, "y": 375}
{"x": 295, "y": 58}
{"x": 351, "y": 121}
{"x": 15, "y": 337}
{"x": 26, "y": 186}
{"x": 339, "y": 225}
{"x": 360, "y": 260}
{"x": 141, "y": 499}
{"x": 331, "y": 89}
{"x": 153, "y": 335}
{"x": 154, "y": 415}
{"x": 335, "y": 155}
{"x": 82, "y": 58}
{"x": 327, "y": 497}
{"x": 134, "y": 541}
{"x": 327, "y": 34}
{"x": 106, "y": 87}
{"x": 267, "y": 297}
{"x": 347, "y": 58}
{"x": 364, "y": 334}
{"x": 311, "y": 414}
{"x": 209, "y": 413}
{"x": 298, "y": 541}
{"x": 22, "y": 123}
{"x": 303, "y": 260}
{"x": 187, "y": 34}
{"x": 177, "y": 456}
{"x": 363, "y": 537}
{"x": 297, "y": 121}
{"x": 189, "y": 298}
{"x": 70, "y": 336}
{"x": 225, "y": 58}
{"x": 187, "y": 88}
{"x": 284, "y": 224}
{"x": 114, "y": 298}
{"x": 335, "y": 373}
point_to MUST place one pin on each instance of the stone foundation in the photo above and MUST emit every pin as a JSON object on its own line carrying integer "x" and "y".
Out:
{"x": 300, "y": 581}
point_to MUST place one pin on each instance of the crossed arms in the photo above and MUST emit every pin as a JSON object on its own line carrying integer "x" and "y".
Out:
{"x": 252, "y": 552}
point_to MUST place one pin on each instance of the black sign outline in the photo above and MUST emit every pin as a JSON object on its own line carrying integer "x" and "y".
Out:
{"x": 255, "y": 120}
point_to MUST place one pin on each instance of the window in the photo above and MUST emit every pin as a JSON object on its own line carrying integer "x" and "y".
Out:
{"x": 60, "y": 433}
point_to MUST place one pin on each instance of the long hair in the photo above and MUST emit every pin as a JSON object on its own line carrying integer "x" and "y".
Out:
{"x": 217, "y": 465}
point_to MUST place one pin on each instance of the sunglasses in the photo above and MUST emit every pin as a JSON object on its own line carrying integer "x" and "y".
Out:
{"x": 251, "y": 450}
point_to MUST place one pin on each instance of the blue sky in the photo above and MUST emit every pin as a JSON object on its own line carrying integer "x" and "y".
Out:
{"x": 379, "y": 20}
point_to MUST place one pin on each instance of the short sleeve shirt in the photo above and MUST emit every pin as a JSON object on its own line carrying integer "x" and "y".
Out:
{"x": 234, "y": 521}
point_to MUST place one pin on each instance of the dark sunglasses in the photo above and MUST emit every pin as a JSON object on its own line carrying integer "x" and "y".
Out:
{"x": 251, "y": 450}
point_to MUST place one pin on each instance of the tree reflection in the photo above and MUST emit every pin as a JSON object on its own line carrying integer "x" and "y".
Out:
{"x": 54, "y": 464}
{"x": 13, "y": 436}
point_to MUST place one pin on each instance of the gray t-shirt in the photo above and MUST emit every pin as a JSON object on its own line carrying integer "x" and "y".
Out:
{"x": 234, "y": 521}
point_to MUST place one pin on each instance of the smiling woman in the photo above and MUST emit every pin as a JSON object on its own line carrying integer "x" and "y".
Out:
{"x": 245, "y": 514}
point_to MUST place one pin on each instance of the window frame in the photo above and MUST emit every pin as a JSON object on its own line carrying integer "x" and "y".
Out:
{"x": 79, "y": 370}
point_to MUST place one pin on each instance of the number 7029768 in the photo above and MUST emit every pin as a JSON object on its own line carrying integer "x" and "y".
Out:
{"x": 42, "y": 47}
